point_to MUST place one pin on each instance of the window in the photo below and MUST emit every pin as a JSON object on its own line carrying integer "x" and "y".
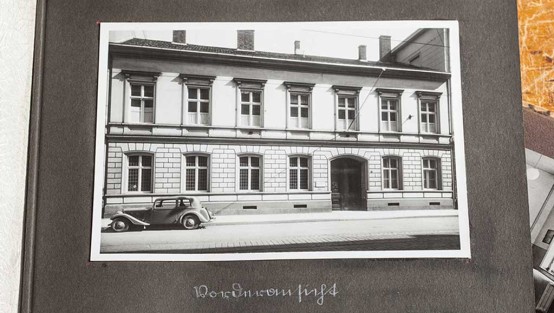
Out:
{"x": 141, "y": 97}
{"x": 299, "y": 110}
{"x": 431, "y": 173}
{"x": 250, "y": 107}
{"x": 298, "y": 173}
{"x": 197, "y": 110}
{"x": 249, "y": 175}
{"x": 250, "y": 102}
{"x": 166, "y": 204}
{"x": 139, "y": 173}
{"x": 389, "y": 114}
{"x": 347, "y": 107}
{"x": 196, "y": 173}
{"x": 391, "y": 173}
{"x": 142, "y": 103}
{"x": 299, "y": 104}
{"x": 346, "y": 112}
{"x": 428, "y": 111}
{"x": 198, "y": 106}
{"x": 389, "y": 108}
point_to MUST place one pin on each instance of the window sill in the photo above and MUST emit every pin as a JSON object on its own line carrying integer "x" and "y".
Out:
{"x": 428, "y": 134}
{"x": 136, "y": 124}
{"x": 250, "y": 127}
{"x": 247, "y": 192}
{"x": 138, "y": 193}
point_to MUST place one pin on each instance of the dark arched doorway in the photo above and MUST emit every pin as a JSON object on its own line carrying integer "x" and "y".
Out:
{"x": 348, "y": 184}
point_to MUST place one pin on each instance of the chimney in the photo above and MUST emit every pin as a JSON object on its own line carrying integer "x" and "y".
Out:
{"x": 245, "y": 40}
{"x": 297, "y": 47}
{"x": 384, "y": 49}
{"x": 180, "y": 36}
{"x": 362, "y": 53}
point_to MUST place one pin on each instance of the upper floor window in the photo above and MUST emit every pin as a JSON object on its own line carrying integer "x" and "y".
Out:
{"x": 299, "y": 110}
{"x": 299, "y": 172}
{"x": 299, "y": 96}
{"x": 428, "y": 111}
{"x": 346, "y": 112}
{"x": 139, "y": 173}
{"x": 198, "y": 106}
{"x": 196, "y": 173}
{"x": 391, "y": 173}
{"x": 428, "y": 118}
{"x": 389, "y": 109}
{"x": 431, "y": 173}
{"x": 250, "y": 101}
{"x": 142, "y": 103}
{"x": 250, "y": 108}
{"x": 347, "y": 107}
{"x": 249, "y": 176}
{"x": 389, "y": 114}
{"x": 141, "y": 99}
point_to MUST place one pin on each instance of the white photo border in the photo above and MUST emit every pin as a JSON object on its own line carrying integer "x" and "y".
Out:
{"x": 458, "y": 135}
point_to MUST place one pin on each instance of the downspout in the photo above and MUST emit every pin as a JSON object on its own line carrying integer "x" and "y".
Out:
{"x": 450, "y": 128}
{"x": 453, "y": 147}
{"x": 106, "y": 132}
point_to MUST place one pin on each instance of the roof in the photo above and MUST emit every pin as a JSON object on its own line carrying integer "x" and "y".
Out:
{"x": 409, "y": 40}
{"x": 166, "y": 45}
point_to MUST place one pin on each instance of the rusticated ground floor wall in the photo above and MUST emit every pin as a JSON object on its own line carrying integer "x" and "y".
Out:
{"x": 224, "y": 197}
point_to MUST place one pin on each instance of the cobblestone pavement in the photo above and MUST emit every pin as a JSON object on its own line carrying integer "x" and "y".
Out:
{"x": 415, "y": 233}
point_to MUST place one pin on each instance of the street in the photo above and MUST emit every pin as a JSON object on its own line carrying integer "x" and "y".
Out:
{"x": 330, "y": 234}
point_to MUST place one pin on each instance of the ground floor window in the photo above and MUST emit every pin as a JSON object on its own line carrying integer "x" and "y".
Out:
{"x": 249, "y": 173}
{"x": 299, "y": 173}
{"x": 196, "y": 173}
{"x": 431, "y": 172}
{"x": 139, "y": 175}
{"x": 391, "y": 173}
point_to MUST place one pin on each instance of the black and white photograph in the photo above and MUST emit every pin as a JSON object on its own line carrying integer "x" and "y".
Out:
{"x": 305, "y": 140}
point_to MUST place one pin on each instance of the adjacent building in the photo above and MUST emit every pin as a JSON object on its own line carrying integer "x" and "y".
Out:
{"x": 251, "y": 131}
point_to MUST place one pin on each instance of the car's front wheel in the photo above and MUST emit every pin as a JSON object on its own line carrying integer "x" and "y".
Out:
{"x": 120, "y": 224}
{"x": 191, "y": 222}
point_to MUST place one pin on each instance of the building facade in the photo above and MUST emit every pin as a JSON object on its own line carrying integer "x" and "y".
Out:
{"x": 248, "y": 131}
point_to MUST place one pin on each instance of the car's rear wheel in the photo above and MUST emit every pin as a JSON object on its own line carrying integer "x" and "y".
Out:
{"x": 121, "y": 224}
{"x": 191, "y": 222}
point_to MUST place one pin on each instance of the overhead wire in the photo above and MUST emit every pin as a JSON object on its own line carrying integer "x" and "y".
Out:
{"x": 377, "y": 38}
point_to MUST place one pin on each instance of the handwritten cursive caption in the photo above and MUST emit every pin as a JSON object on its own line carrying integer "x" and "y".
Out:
{"x": 301, "y": 292}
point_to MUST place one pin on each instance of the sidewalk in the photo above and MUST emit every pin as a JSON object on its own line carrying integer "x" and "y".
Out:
{"x": 316, "y": 217}
{"x": 333, "y": 231}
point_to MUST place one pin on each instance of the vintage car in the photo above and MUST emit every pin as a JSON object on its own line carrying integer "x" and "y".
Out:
{"x": 187, "y": 211}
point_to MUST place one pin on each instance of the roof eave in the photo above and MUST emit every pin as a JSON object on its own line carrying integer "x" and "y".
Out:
{"x": 258, "y": 61}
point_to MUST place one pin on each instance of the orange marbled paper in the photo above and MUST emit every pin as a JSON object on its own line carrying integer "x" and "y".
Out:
{"x": 536, "y": 41}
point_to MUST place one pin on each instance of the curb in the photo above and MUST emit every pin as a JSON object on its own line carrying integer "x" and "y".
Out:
{"x": 217, "y": 223}
{"x": 246, "y": 221}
